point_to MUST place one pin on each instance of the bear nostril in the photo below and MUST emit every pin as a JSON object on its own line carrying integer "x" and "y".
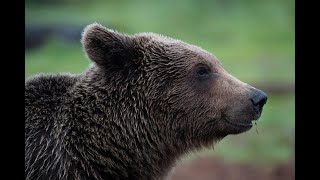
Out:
{"x": 258, "y": 100}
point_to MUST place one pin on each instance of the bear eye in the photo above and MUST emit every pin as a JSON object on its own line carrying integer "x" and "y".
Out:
{"x": 203, "y": 72}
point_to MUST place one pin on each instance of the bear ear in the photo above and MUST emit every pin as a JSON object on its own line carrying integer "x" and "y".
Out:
{"x": 106, "y": 47}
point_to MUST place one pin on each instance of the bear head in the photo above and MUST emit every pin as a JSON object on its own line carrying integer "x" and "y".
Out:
{"x": 181, "y": 88}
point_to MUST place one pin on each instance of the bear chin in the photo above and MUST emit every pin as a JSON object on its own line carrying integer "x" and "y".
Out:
{"x": 235, "y": 127}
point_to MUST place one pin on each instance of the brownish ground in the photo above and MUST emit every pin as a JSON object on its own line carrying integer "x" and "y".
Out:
{"x": 215, "y": 169}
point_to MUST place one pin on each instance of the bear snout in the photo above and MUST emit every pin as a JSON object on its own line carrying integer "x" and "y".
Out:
{"x": 258, "y": 99}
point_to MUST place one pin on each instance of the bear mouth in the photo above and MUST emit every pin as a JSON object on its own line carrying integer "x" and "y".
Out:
{"x": 247, "y": 124}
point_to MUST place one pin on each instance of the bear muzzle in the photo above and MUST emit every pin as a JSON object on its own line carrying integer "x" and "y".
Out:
{"x": 258, "y": 99}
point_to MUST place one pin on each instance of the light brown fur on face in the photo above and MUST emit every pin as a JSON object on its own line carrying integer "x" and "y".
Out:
{"x": 145, "y": 101}
{"x": 221, "y": 105}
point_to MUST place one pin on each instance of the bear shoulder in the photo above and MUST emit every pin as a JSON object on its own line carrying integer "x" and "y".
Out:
{"x": 44, "y": 93}
{"x": 47, "y": 85}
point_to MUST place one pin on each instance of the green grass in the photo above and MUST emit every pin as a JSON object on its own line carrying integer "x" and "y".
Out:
{"x": 56, "y": 57}
{"x": 254, "y": 41}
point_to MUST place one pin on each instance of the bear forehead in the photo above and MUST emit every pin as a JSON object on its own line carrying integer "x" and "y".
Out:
{"x": 195, "y": 53}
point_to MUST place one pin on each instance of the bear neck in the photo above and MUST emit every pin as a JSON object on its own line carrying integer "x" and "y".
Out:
{"x": 128, "y": 141}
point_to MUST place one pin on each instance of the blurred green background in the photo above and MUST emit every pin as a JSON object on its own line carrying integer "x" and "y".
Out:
{"x": 253, "y": 39}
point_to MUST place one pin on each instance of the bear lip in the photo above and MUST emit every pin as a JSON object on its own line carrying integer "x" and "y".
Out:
{"x": 249, "y": 124}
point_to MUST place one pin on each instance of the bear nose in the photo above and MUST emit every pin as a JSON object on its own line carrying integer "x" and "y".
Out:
{"x": 258, "y": 99}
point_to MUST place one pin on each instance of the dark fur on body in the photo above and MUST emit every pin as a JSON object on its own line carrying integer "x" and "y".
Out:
{"x": 132, "y": 113}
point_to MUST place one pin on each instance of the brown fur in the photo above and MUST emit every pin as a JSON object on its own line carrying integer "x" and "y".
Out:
{"x": 144, "y": 102}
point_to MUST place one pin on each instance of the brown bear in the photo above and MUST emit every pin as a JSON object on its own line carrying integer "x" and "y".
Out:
{"x": 144, "y": 102}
